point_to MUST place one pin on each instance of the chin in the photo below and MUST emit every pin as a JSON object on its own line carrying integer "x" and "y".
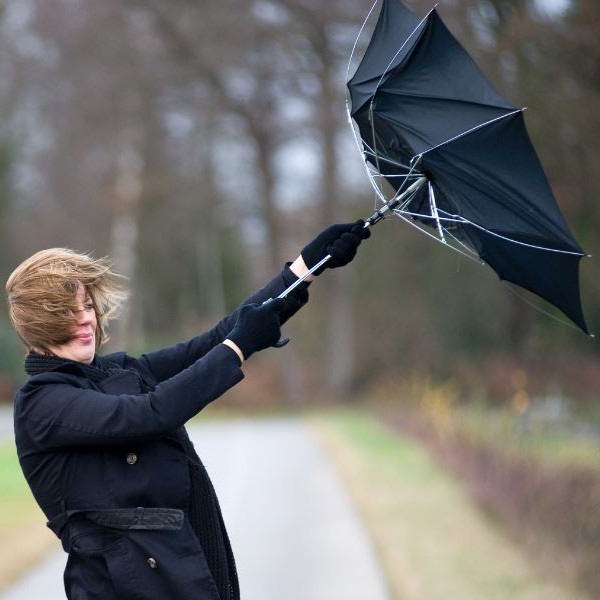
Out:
{"x": 88, "y": 355}
{"x": 79, "y": 355}
{"x": 87, "y": 358}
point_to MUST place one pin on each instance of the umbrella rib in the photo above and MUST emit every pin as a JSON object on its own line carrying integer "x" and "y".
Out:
{"x": 372, "y": 181}
{"x": 394, "y": 176}
{"x": 392, "y": 162}
{"x": 471, "y": 130}
{"x": 374, "y": 184}
{"x": 467, "y": 253}
{"x": 356, "y": 43}
{"x": 400, "y": 50}
{"x": 374, "y": 152}
{"x": 371, "y": 105}
{"x": 434, "y": 212}
{"x": 461, "y": 219}
{"x": 449, "y": 219}
{"x": 522, "y": 297}
{"x": 376, "y": 173}
{"x": 464, "y": 221}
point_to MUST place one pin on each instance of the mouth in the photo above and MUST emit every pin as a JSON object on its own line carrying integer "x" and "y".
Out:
{"x": 84, "y": 338}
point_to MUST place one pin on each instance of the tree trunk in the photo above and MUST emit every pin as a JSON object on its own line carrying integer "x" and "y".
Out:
{"x": 338, "y": 342}
{"x": 125, "y": 224}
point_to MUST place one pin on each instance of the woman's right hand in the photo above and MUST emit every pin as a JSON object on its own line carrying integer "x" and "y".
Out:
{"x": 257, "y": 327}
{"x": 339, "y": 241}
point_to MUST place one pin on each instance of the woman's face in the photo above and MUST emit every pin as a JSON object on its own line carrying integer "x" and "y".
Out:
{"x": 82, "y": 345}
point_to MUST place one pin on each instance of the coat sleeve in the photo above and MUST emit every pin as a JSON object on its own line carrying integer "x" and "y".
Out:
{"x": 165, "y": 363}
{"x": 62, "y": 414}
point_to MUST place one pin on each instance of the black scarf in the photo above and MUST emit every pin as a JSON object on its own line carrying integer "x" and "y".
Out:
{"x": 204, "y": 510}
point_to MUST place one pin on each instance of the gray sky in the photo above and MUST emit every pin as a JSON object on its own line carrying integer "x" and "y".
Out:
{"x": 553, "y": 7}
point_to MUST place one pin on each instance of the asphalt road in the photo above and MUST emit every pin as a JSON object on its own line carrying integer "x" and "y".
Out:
{"x": 294, "y": 531}
{"x": 6, "y": 423}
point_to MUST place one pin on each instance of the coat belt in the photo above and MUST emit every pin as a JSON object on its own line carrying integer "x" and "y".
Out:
{"x": 169, "y": 519}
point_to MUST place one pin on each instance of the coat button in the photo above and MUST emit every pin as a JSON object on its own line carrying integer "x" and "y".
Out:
{"x": 152, "y": 563}
{"x": 131, "y": 458}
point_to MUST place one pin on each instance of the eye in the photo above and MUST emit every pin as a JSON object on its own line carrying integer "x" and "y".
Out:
{"x": 88, "y": 306}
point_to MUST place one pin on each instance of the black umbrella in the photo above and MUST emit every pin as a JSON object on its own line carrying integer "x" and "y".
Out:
{"x": 458, "y": 157}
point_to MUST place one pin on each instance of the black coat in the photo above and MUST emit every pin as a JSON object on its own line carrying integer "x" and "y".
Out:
{"x": 95, "y": 445}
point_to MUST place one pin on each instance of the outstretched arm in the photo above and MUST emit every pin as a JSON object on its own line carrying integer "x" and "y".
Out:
{"x": 340, "y": 241}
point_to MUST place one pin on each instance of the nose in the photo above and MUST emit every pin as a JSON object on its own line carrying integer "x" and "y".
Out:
{"x": 84, "y": 316}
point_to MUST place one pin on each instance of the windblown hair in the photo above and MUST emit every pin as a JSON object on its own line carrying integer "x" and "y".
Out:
{"x": 42, "y": 301}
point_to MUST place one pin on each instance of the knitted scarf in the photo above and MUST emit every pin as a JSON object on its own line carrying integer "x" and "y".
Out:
{"x": 204, "y": 511}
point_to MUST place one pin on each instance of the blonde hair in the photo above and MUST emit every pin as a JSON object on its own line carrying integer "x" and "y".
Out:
{"x": 42, "y": 291}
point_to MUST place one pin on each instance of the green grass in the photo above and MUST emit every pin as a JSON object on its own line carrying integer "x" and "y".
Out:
{"x": 431, "y": 539}
{"x": 25, "y": 539}
{"x": 12, "y": 482}
{"x": 16, "y": 501}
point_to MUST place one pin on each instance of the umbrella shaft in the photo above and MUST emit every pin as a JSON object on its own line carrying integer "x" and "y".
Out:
{"x": 380, "y": 213}
{"x": 305, "y": 276}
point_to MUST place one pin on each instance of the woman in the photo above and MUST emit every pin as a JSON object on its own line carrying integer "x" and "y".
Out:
{"x": 101, "y": 439}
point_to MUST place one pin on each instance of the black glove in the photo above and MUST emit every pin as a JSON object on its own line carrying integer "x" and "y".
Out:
{"x": 257, "y": 326}
{"x": 340, "y": 241}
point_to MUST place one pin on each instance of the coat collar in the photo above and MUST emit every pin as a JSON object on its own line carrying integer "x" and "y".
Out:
{"x": 97, "y": 371}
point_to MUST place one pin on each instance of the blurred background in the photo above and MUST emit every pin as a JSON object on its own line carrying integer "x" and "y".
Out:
{"x": 201, "y": 144}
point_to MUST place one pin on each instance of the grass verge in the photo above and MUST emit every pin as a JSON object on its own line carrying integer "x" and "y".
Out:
{"x": 544, "y": 495}
{"x": 25, "y": 538}
{"x": 432, "y": 541}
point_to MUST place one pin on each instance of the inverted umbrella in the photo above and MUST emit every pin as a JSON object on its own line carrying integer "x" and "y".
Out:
{"x": 458, "y": 157}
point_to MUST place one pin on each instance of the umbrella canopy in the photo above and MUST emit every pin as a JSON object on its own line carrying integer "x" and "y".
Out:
{"x": 425, "y": 111}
